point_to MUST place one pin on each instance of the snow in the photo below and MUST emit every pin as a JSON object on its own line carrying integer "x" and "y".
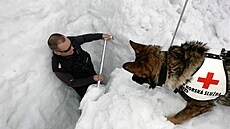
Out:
{"x": 127, "y": 105}
{"x": 31, "y": 97}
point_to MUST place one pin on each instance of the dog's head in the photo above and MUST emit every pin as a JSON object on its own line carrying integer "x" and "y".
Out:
{"x": 147, "y": 62}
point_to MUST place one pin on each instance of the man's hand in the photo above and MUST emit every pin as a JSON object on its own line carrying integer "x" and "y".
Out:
{"x": 98, "y": 77}
{"x": 107, "y": 37}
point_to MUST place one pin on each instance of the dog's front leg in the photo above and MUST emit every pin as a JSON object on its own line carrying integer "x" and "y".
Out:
{"x": 192, "y": 109}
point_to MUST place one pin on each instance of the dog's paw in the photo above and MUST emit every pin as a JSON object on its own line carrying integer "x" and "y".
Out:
{"x": 174, "y": 120}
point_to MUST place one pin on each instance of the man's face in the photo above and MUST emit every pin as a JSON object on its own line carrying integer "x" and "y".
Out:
{"x": 66, "y": 48}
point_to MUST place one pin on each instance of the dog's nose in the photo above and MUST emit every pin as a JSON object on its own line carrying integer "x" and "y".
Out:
{"x": 125, "y": 66}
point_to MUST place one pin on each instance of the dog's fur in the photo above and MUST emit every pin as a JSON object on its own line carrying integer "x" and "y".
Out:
{"x": 182, "y": 62}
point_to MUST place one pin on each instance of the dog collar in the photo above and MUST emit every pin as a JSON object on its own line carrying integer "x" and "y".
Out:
{"x": 163, "y": 71}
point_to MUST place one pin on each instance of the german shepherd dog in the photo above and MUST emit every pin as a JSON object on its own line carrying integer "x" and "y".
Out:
{"x": 174, "y": 68}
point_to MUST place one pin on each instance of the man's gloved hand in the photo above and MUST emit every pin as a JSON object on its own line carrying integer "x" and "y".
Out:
{"x": 98, "y": 77}
{"x": 107, "y": 37}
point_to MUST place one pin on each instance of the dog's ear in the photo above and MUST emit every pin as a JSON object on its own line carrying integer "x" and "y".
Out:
{"x": 137, "y": 69}
{"x": 156, "y": 49}
{"x": 136, "y": 46}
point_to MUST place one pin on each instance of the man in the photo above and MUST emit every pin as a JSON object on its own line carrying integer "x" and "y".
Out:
{"x": 71, "y": 64}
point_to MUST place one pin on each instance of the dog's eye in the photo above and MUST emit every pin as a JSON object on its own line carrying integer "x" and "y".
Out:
{"x": 143, "y": 76}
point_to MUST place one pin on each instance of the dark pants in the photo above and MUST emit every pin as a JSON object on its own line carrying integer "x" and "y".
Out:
{"x": 82, "y": 90}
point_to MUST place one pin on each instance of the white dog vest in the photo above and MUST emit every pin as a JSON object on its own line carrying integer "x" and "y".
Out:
{"x": 210, "y": 81}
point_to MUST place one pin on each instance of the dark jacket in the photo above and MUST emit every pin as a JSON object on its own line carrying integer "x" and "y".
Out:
{"x": 77, "y": 69}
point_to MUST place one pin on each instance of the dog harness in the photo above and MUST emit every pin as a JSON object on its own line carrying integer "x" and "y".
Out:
{"x": 210, "y": 80}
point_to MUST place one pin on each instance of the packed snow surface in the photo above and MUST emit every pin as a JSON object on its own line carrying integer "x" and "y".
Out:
{"x": 31, "y": 97}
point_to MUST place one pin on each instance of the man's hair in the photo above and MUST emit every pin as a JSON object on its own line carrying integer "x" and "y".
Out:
{"x": 54, "y": 40}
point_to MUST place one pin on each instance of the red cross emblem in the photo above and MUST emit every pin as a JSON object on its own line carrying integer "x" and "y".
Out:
{"x": 208, "y": 80}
